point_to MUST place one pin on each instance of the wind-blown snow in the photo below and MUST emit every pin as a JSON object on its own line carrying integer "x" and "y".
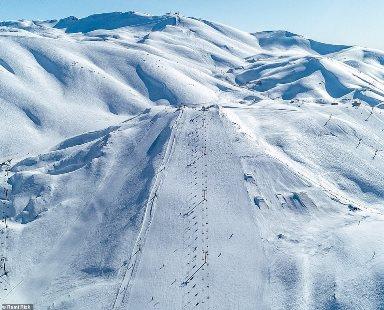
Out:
{"x": 166, "y": 162}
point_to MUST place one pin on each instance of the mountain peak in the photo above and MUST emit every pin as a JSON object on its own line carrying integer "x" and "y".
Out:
{"x": 110, "y": 21}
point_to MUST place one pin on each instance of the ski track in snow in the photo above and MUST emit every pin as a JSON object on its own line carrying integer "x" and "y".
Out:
{"x": 134, "y": 259}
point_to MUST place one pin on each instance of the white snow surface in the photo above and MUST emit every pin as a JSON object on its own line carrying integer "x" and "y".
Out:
{"x": 168, "y": 162}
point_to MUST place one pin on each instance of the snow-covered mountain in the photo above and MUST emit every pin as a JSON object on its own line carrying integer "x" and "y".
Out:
{"x": 166, "y": 162}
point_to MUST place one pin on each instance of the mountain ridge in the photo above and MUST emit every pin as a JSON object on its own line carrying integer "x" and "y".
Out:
{"x": 147, "y": 166}
{"x": 221, "y": 50}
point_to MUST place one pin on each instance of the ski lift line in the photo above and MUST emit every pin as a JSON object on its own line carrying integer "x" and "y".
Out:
{"x": 5, "y": 232}
{"x": 188, "y": 213}
{"x": 148, "y": 217}
{"x": 196, "y": 271}
{"x": 199, "y": 242}
{"x": 323, "y": 184}
{"x": 374, "y": 115}
{"x": 376, "y": 153}
{"x": 10, "y": 291}
{"x": 360, "y": 139}
{"x": 330, "y": 117}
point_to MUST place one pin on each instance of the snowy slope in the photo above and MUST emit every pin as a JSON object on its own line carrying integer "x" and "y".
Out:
{"x": 166, "y": 162}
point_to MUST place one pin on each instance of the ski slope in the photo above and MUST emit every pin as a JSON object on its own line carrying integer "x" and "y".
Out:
{"x": 193, "y": 252}
{"x": 169, "y": 162}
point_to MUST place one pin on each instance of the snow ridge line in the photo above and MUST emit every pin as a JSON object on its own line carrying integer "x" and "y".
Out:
{"x": 135, "y": 257}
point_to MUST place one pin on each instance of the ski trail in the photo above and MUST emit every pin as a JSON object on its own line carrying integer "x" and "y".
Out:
{"x": 196, "y": 280}
{"x": 135, "y": 257}
{"x": 196, "y": 253}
